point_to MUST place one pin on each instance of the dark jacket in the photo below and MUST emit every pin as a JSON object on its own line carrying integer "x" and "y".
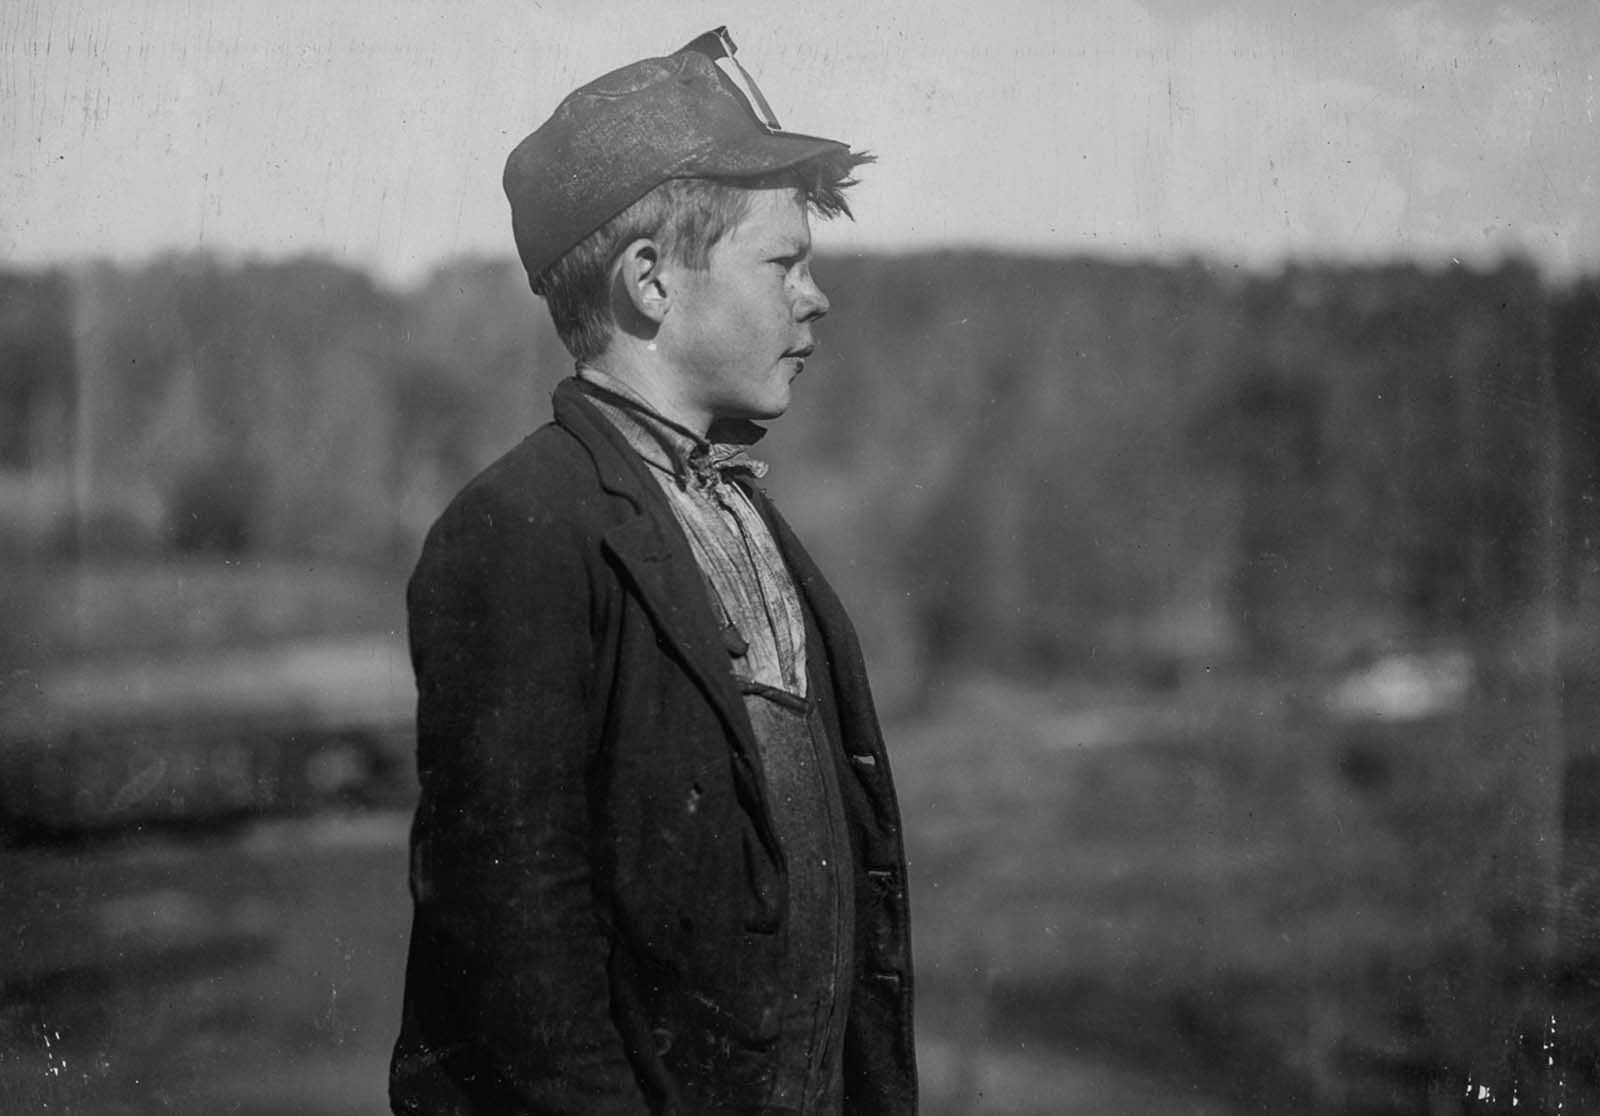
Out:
{"x": 598, "y": 891}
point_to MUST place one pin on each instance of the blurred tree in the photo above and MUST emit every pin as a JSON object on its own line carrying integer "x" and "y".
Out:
{"x": 1066, "y": 463}
{"x": 36, "y": 365}
{"x": 1264, "y": 431}
{"x": 214, "y": 509}
{"x": 1575, "y": 368}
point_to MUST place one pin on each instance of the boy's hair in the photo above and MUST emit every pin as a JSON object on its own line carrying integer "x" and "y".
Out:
{"x": 688, "y": 216}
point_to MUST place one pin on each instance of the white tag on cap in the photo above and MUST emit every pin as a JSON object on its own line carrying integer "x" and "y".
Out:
{"x": 718, "y": 46}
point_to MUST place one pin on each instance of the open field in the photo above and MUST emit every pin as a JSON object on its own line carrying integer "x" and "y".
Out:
{"x": 55, "y": 612}
{"x": 1202, "y": 905}
{"x": 1303, "y": 915}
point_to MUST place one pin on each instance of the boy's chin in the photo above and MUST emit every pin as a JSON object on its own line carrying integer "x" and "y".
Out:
{"x": 767, "y": 414}
{"x": 758, "y": 410}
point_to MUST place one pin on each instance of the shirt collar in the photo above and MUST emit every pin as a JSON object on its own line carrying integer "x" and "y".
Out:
{"x": 669, "y": 446}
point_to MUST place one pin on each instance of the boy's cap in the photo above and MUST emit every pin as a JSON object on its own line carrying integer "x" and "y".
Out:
{"x": 692, "y": 114}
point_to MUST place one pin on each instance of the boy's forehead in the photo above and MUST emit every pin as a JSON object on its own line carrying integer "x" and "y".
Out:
{"x": 776, "y": 219}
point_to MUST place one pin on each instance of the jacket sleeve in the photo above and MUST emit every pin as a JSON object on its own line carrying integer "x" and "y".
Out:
{"x": 502, "y": 876}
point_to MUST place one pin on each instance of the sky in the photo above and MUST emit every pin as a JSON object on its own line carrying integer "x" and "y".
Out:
{"x": 1251, "y": 131}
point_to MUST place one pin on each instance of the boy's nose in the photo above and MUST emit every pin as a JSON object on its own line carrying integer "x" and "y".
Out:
{"x": 811, "y": 303}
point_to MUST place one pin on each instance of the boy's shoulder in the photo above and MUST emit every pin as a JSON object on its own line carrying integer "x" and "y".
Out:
{"x": 542, "y": 469}
{"x": 545, "y": 487}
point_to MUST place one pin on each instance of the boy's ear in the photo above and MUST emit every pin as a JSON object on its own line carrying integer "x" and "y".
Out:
{"x": 639, "y": 274}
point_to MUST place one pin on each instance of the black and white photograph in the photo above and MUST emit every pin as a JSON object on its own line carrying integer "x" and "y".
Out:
{"x": 1031, "y": 558}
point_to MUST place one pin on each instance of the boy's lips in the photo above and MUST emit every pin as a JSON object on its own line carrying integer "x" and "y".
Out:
{"x": 799, "y": 356}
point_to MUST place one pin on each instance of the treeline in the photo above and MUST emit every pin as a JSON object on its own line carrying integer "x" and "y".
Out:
{"x": 1015, "y": 462}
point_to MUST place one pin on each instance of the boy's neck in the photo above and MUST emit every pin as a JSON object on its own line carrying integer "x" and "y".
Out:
{"x": 639, "y": 365}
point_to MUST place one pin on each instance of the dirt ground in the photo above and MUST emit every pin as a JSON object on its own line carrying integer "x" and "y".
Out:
{"x": 258, "y": 973}
{"x": 1205, "y": 907}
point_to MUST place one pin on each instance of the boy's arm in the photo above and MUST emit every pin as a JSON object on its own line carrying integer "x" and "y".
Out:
{"x": 501, "y": 870}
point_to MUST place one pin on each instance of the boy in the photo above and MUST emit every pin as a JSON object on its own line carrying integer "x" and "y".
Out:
{"x": 656, "y": 861}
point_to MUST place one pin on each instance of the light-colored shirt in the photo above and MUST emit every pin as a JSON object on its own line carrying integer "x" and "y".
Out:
{"x": 746, "y": 575}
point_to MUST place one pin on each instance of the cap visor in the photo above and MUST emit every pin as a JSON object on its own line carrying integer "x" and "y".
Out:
{"x": 760, "y": 155}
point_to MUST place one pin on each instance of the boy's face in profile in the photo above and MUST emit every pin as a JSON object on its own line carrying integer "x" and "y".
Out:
{"x": 738, "y": 332}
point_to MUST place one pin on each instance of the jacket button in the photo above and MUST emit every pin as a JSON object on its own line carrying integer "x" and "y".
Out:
{"x": 769, "y": 1020}
{"x": 663, "y": 1039}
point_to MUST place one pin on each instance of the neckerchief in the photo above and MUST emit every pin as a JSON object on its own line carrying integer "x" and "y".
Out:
{"x": 691, "y": 459}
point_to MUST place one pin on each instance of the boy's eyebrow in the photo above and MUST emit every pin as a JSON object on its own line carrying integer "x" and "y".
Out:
{"x": 789, "y": 246}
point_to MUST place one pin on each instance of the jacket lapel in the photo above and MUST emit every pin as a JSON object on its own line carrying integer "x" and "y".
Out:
{"x": 858, "y": 718}
{"x": 669, "y": 585}
{"x": 838, "y": 635}
{"x": 657, "y": 562}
